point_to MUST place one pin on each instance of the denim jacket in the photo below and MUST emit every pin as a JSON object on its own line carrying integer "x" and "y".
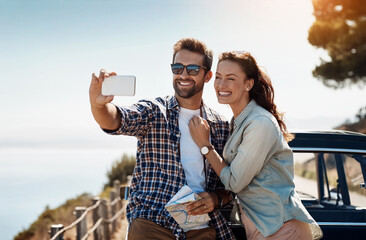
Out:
{"x": 261, "y": 172}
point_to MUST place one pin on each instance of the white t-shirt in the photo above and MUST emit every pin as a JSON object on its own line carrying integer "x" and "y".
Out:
{"x": 191, "y": 157}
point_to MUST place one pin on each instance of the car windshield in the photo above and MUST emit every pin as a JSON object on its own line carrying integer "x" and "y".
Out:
{"x": 335, "y": 169}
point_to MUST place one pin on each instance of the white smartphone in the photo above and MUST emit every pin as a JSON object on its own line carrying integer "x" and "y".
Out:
{"x": 119, "y": 85}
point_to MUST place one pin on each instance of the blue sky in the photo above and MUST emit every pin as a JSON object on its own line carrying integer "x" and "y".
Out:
{"x": 49, "y": 49}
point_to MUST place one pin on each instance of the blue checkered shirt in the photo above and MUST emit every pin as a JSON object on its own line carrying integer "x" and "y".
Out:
{"x": 159, "y": 174}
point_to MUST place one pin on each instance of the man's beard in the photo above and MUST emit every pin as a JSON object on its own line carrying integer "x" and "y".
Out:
{"x": 187, "y": 93}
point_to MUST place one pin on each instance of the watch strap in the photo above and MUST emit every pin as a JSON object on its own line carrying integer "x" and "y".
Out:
{"x": 210, "y": 148}
{"x": 219, "y": 200}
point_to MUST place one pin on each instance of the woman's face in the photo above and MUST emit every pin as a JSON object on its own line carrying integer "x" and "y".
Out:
{"x": 231, "y": 85}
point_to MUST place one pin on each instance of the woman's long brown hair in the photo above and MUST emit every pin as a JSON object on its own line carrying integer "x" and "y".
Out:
{"x": 262, "y": 91}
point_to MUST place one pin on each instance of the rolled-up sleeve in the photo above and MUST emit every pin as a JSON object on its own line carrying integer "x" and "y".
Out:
{"x": 259, "y": 141}
{"x": 135, "y": 119}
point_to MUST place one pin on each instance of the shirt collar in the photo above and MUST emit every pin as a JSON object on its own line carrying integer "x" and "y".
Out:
{"x": 210, "y": 117}
{"x": 173, "y": 104}
{"x": 244, "y": 114}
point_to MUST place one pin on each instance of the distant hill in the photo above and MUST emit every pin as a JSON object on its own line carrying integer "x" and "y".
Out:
{"x": 358, "y": 126}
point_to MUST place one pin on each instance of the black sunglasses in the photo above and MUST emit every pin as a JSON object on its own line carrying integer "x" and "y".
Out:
{"x": 192, "y": 69}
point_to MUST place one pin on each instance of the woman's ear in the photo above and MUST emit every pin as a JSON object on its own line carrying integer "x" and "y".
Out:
{"x": 250, "y": 83}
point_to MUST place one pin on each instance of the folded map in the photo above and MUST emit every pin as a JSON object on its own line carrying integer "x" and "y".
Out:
{"x": 177, "y": 208}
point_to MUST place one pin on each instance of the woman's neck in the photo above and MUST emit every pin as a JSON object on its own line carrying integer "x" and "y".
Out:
{"x": 237, "y": 108}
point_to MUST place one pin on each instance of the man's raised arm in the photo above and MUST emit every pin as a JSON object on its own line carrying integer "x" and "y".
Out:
{"x": 104, "y": 112}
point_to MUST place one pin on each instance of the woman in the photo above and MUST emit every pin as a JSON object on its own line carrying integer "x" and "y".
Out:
{"x": 258, "y": 163}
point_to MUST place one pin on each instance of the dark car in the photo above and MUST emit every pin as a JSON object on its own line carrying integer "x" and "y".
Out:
{"x": 330, "y": 180}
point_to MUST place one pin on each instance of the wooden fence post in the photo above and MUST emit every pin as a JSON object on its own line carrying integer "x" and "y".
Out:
{"x": 81, "y": 228}
{"x": 113, "y": 195}
{"x": 95, "y": 217}
{"x": 116, "y": 185}
{"x": 117, "y": 188}
{"x": 129, "y": 178}
{"x": 122, "y": 192}
{"x": 55, "y": 228}
{"x": 104, "y": 212}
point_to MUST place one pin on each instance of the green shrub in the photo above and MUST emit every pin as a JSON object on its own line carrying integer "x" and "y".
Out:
{"x": 121, "y": 169}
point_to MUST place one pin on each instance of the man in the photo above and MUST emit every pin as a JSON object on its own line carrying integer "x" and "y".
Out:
{"x": 167, "y": 157}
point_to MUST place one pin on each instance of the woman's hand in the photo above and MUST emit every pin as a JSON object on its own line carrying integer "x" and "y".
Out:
{"x": 206, "y": 204}
{"x": 200, "y": 131}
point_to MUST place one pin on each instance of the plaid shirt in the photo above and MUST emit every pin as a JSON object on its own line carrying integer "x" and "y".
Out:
{"x": 159, "y": 174}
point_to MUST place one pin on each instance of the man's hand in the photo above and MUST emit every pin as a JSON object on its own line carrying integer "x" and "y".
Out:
{"x": 104, "y": 112}
{"x": 95, "y": 90}
{"x": 206, "y": 204}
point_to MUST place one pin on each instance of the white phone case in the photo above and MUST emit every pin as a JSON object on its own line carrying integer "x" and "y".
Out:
{"x": 120, "y": 85}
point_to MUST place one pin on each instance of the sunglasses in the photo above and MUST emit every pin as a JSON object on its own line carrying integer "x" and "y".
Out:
{"x": 192, "y": 69}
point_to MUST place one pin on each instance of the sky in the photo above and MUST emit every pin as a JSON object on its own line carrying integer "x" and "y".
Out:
{"x": 49, "y": 49}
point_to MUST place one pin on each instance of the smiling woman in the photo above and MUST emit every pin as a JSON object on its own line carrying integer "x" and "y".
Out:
{"x": 231, "y": 85}
{"x": 257, "y": 162}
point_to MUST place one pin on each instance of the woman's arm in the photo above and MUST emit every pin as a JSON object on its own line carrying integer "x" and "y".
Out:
{"x": 200, "y": 132}
{"x": 259, "y": 143}
{"x": 257, "y": 146}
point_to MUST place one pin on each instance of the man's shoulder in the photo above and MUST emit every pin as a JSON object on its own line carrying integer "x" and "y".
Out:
{"x": 166, "y": 100}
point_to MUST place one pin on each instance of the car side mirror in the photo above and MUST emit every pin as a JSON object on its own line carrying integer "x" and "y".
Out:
{"x": 334, "y": 194}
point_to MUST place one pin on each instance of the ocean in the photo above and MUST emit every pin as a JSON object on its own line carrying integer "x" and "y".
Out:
{"x": 31, "y": 179}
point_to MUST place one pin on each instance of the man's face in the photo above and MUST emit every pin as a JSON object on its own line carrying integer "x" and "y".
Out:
{"x": 185, "y": 85}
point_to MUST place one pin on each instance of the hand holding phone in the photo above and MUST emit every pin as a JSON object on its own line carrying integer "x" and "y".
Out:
{"x": 119, "y": 85}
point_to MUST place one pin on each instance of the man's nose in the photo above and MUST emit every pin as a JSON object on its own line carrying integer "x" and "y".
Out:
{"x": 184, "y": 73}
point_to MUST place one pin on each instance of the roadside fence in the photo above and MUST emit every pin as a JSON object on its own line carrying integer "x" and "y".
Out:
{"x": 100, "y": 210}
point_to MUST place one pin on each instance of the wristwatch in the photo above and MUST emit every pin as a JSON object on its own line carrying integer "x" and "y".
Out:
{"x": 206, "y": 149}
{"x": 220, "y": 202}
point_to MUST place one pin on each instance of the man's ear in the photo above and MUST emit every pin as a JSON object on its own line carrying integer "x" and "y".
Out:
{"x": 208, "y": 76}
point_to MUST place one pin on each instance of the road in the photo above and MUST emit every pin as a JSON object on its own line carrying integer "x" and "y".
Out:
{"x": 309, "y": 186}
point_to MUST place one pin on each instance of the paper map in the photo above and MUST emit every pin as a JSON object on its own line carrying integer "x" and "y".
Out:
{"x": 177, "y": 208}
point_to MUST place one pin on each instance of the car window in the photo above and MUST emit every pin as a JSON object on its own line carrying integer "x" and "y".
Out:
{"x": 354, "y": 177}
{"x": 306, "y": 176}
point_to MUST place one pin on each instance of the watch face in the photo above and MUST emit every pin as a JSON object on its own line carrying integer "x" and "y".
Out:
{"x": 204, "y": 150}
